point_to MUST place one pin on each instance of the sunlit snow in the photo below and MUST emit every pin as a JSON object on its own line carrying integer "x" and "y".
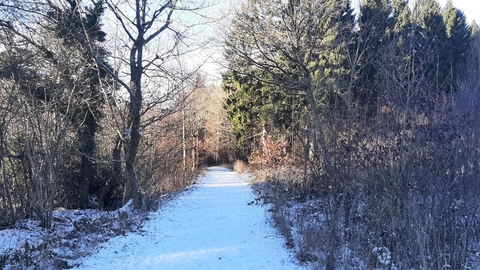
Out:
{"x": 212, "y": 226}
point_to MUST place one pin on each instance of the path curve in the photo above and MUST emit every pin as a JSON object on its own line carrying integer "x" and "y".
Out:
{"x": 211, "y": 226}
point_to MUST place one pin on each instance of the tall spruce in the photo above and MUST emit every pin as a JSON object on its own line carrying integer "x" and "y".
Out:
{"x": 242, "y": 104}
{"x": 433, "y": 41}
{"x": 458, "y": 33}
{"x": 374, "y": 26}
{"x": 253, "y": 106}
{"x": 470, "y": 78}
{"x": 288, "y": 44}
{"x": 339, "y": 67}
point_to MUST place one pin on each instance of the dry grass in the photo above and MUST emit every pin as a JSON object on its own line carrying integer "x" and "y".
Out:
{"x": 240, "y": 166}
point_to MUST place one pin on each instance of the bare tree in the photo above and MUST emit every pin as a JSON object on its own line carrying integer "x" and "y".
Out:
{"x": 155, "y": 37}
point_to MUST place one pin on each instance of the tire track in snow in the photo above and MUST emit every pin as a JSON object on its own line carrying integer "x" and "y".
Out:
{"x": 209, "y": 227}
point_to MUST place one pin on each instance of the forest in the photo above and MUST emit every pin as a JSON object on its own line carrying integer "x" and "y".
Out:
{"x": 359, "y": 124}
{"x": 363, "y": 128}
{"x": 90, "y": 120}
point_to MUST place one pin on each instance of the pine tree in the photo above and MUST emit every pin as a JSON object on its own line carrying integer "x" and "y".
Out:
{"x": 253, "y": 105}
{"x": 470, "y": 77}
{"x": 339, "y": 67}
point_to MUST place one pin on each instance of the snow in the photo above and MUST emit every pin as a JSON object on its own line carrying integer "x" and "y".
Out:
{"x": 73, "y": 234}
{"x": 383, "y": 255}
{"x": 214, "y": 225}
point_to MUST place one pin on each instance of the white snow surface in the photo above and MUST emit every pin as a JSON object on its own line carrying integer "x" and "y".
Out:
{"x": 215, "y": 225}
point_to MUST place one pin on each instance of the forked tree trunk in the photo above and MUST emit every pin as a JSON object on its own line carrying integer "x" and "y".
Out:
{"x": 146, "y": 17}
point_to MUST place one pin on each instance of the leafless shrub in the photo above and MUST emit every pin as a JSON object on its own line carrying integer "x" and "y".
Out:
{"x": 404, "y": 192}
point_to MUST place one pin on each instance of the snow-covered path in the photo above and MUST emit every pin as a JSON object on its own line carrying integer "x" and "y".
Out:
{"x": 212, "y": 226}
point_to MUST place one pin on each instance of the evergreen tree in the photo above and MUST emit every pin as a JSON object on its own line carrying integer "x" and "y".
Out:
{"x": 474, "y": 27}
{"x": 67, "y": 36}
{"x": 405, "y": 30}
{"x": 470, "y": 76}
{"x": 253, "y": 105}
{"x": 373, "y": 28}
{"x": 242, "y": 103}
{"x": 433, "y": 41}
{"x": 288, "y": 45}
{"x": 339, "y": 68}
{"x": 402, "y": 15}
{"x": 81, "y": 32}
{"x": 458, "y": 34}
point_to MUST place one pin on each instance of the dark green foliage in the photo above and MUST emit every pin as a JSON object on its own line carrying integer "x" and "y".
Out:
{"x": 285, "y": 64}
{"x": 373, "y": 25}
{"x": 459, "y": 42}
{"x": 83, "y": 33}
{"x": 474, "y": 29}
{"x": 241, "y": 106}
{"x": 433, "y": 40}
{"x": 252, "y": 105}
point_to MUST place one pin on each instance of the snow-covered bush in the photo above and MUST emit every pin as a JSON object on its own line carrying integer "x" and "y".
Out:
{"x": 383, "y": 255}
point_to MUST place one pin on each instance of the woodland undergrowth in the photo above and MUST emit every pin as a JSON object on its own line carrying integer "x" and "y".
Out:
{"x": 406, "y": 201}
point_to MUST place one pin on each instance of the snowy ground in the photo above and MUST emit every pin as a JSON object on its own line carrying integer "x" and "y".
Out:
{"x": 74, "y": 234}
{"x": 215, "y": 225}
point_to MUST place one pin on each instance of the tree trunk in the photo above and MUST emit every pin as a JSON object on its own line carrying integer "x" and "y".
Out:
{"x": 144, "y": 29}
{"x": 184, "y": 141}
{"x": 194, "y": 152}
{"x": 85, "y": 180}
{"x": 319, "y": 139}
{"x": 113, "y": 182}
{"x": 133, "y": 132}
{"x": 5, "y": 179}
{"x": 86, "y": 137}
